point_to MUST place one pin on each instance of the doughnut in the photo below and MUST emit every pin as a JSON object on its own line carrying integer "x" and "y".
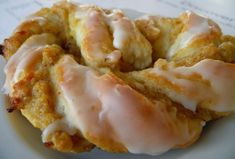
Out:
{"x": 92, "y": 77}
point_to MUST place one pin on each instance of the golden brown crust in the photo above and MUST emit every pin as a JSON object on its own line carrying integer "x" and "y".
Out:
{"x": 153, "y": 87}
{"x": 163, "y": 33}
{"x": 36, "y": 97}
{"x": 106, "y": 144}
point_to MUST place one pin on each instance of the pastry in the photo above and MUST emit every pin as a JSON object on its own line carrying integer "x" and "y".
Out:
{"x": 88, "y": 76}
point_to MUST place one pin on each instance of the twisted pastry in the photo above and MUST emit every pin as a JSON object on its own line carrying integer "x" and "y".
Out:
{"x": 92, "y": 77}
{"x": 192, "y": 38}
{"x": 108, "y": 39}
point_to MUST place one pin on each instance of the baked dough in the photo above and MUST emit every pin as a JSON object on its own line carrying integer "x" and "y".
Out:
{"x": 89, "y": 77}
{"x": 187, "y": 39}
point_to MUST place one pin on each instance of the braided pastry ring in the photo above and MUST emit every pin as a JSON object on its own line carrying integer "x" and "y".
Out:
{"x": 77, "y": 73}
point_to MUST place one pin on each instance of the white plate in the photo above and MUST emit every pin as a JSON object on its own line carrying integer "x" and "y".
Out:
{"x": 19, "y": 140}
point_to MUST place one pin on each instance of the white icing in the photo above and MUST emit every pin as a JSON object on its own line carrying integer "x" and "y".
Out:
{"x": 97, "y": 104}
{"x": 59, "y": 125}
{"x": 107, "y": 32}
{"x": 218, "y": 94}
{"x": 97, "y": 34}
{"x": 29, "y": 61}
{"x": 195, "y": 26}
{"x": 121, "y": 27}
{"x": 23, "y": 58}
{"x": 119, "y": 34}
{"x": 128, "y": 39}
{"x": 41, "y": 20}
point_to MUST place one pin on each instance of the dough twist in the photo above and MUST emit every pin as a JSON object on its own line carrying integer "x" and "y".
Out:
{"x": 92, "y": 77}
